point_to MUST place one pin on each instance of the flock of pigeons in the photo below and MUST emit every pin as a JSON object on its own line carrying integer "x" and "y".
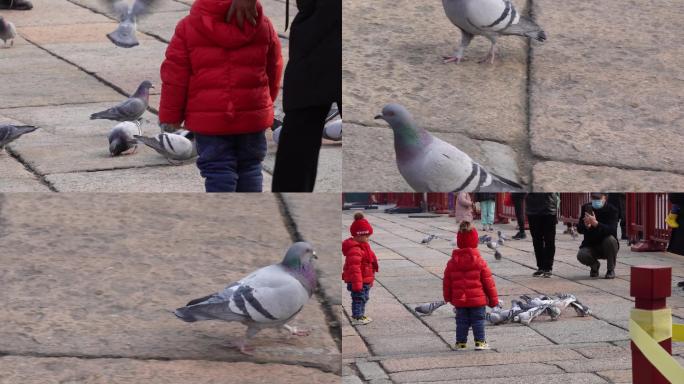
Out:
{"x": 524, "y": 310}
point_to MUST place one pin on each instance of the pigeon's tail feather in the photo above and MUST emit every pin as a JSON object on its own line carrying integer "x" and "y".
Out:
{"x": 152, "y": 143}
{"x": 108, "y": 115}
{"x": 502, "y": 184}
{"x": 24, "y": 129}
{"x": 185, "y": 315}
{"x": 526, "y": 27}
{"x": 200, "y": 300}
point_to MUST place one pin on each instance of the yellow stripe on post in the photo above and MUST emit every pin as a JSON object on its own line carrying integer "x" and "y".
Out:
{"x": 656, "y": 323}
{"x": 678, "y": 332}
{"x": 656, "y": 355}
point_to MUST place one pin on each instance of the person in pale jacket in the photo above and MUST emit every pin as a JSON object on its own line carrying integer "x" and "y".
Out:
{"x": 463, "y": 208}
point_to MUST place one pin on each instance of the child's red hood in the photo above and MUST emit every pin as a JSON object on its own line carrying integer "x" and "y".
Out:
{"x": 349, "y": 244}
{"x": 466, "y": 258}
{"x": 209, "y": 17}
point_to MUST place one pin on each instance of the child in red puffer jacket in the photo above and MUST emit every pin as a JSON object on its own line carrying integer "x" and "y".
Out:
{"x": 468, "y": 285}
{"x": 360, "y": 266}
{"x": 222, "y": 80}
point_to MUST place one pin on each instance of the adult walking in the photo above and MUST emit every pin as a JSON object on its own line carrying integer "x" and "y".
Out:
{"x": 598, "y": 223}
{"x": 676, "y": 244}
{"x": 487, "y": 202}
{"x": 542, "y": 212}
{"x": 518, "y": 202}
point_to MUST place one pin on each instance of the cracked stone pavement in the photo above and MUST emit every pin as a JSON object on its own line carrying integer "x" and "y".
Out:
{"x": 597, "y": 106}
{"x": 62, "y": 68}
{"x": 89, "y": 281}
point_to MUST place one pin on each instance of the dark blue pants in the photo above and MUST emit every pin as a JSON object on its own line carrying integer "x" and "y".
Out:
{"x": 359, "y": 300}
{"x": 231, "y": 163}
{"x": 470, "y": 317}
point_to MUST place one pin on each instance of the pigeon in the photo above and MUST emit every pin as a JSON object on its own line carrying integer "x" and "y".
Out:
{"x": 124, "y": 35}
{"x": 573, "y": 233}
{"x": 431, "y": 165}
{"x": 527, "y": 316}
{"x": 7, "y": 31}
{"x": 122, "y": 138}
{"x": 488, "y": 18}
{"x": 131, "y": 109}
{"x": 502, "y": 237}
{"x": 267, "y": 298}
{"x": 331, "y": 131}
{"x": 494, "y": 245}
{"x": 175, "y": 147}
{"x": 484, "y": 239}
{"x": 427, "y": 308}
{"x": 428, "y": 239}
{"x": 9, "y": 133}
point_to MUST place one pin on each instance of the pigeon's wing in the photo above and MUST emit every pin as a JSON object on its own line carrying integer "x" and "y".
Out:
{"x": 152, "y": 143}
{"x": 490, "y": 16}
{"x": 131, "y": 108}
{"x": 118, "y": 7}
{"x": 446, "y": 168}
{"x": 142, "y": 7}
{"x": 490, "y": 182}
{"x": 269, "y": 295}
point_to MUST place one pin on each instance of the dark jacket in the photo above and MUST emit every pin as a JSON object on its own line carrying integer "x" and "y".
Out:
{"x": 480, "y": 196}
{"x": 313, "y": 76}
{"x": 607, "y": 218}
{"x": 677, "y": 237}
{"x": 537, "y": 204}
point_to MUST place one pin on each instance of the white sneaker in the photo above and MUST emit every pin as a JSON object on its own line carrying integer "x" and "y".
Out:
{"x": 363, "y": 320}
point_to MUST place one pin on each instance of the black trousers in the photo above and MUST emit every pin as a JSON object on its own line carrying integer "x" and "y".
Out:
{"x": 543, "y": 230}
{"x": 607, "y": 249}
{"x": 518, "y": 200}
{"x": 298, "y": 149}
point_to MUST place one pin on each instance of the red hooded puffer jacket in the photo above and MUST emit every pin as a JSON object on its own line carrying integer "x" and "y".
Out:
{"x": 468, "y": 281}
{"x": 360, "y": 264}
{"x": 217, "y": 78}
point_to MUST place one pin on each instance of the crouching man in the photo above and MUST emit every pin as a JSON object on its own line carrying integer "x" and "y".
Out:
{"x": 598, "y": 223}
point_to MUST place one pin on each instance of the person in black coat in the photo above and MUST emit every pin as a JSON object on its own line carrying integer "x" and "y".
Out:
{"x": 313, "y": 82}
{"x": 542, "y": 216}
{"x": 518, "y": 202}
{"x": 598, "y": 223}
{"x": 676, "y": 244}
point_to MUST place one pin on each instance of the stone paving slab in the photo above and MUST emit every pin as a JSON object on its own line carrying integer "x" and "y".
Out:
{"x": 393, "y": 53}
{"x": 449, "y": 374}
{"x": 579, "y": 330}
{"x": 51, "y": 12}
{"x": 375, "y": 145}
{"x": 561, "y": 176}
{"x": 35, "y": 370}
{"x": 15, "y": 178}
{"x": 611, "y": 93}
{"x": 569, "y": 378}
{"x": 108, "y": 290}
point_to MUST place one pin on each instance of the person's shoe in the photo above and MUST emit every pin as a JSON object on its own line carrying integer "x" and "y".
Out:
{"x": 610, "y": 274}
{"x": 481, "y": 345}
{"x": 460, "y": 346}
{"x": 671, "y": 220}
{"x": 19, "y": 5}
{"x": 547, "y": 274}
{"x": 520, "y": 235}
{"x": 538, "y": 273}
{"x": 595, "y": 270}
{"x": 363, "y": 320}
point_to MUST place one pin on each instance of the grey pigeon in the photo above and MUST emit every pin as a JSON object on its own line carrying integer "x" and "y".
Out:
{"x": 431, "y": 165}
{"x": 7, "y": 32}
{"x": 124, "y": 35}
{"x": 131, "y": 109}
{"x": 175, "y": 147}
{"x": 494, "y": 245}
{"x": 428, "y": 239}
{"x": 267, "y": 298}
{"x": 122, "y": 138}
{"x": 502, "y": 238}
{"x": 427, "y": 308}
{"x": 488, "y": 18}
{"x": 484, "y": 239}
{"x": 9, "y": 133}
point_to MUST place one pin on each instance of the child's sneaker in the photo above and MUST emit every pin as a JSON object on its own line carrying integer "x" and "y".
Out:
{"x": 363, "y": 320}
{"x": 481, "y": 345}
{"x": 671, "y": 220}
{"x": 460, "y": 346}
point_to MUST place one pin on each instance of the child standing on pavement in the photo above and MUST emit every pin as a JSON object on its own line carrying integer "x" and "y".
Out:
{"x": 468, "y": 285}
{"x": 360, "y": 266}
{"x": 222, "y": 80}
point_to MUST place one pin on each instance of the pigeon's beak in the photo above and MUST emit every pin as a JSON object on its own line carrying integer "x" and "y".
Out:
{"x": 379, "y": 117}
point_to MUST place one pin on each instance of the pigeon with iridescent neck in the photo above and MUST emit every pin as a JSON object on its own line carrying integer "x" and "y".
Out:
{"x": 432, "y": 165}
{"x": 7, "y": 32}
{"x": 267, "y": 298}
{"x": 130, "y": 109}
